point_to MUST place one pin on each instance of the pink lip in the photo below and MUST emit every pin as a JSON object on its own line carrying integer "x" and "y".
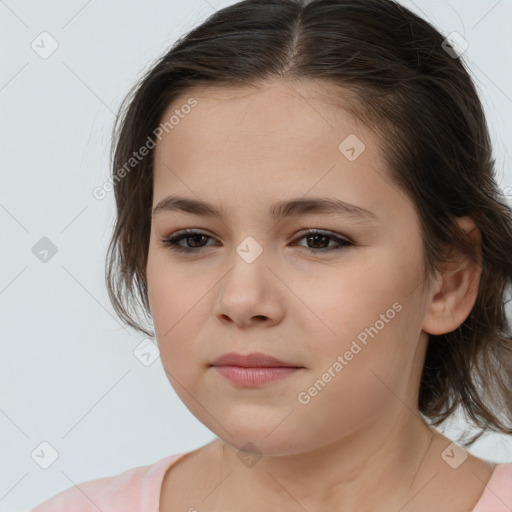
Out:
{"x": 254, "y": 360}
{"x": 252, "y": 377}
{"x": 253, "y": 369}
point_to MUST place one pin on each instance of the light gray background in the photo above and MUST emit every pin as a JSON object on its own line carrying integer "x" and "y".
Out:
{"x": 68, "y": 373}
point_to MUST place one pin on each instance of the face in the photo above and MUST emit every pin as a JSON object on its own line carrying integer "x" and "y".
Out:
{"x": 344, "y": 305}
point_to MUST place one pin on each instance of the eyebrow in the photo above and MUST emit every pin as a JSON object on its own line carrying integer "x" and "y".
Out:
{"x": 278, "y": 211}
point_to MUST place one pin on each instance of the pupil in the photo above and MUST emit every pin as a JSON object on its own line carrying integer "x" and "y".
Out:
{"x": 195, "y": 237}
{"x": 318, "y": 236}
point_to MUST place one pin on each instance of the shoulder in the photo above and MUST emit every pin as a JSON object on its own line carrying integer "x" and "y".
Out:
{"x": 136, "y": 489}
{"x": 497, "y": 496}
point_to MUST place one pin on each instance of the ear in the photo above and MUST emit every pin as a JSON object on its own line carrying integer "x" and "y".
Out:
{"x": 456, "y": 289}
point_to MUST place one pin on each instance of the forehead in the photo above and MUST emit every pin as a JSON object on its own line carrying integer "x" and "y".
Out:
{"x": 267, "y": 112}
{"x": 277, "y": 138}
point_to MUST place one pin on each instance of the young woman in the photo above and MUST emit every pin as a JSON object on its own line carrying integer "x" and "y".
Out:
{"x": 307, "y": 213}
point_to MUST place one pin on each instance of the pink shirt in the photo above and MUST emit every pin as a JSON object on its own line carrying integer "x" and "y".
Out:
{"x": 138, "y": 490}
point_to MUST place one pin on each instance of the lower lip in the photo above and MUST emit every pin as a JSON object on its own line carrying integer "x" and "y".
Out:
{"x": 253, "y": 377}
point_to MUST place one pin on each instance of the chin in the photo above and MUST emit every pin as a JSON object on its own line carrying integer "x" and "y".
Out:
{"x": 256, "y": 444}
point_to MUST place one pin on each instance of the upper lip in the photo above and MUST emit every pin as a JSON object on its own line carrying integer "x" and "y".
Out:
{"x": 254, "y": 360}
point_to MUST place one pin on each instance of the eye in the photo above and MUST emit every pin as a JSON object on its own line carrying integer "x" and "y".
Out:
{"x": 320, "y": 237}
{"x": 173, "y": 240}
{"x": 314, "y": 236}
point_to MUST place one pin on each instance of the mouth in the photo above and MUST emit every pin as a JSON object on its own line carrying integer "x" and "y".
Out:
{"x": 253, "y": 360}
{"x": 254, "y": 369}
{"x": 253, "y": 377}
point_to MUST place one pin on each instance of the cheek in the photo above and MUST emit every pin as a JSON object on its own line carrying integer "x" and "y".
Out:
{"x": 367, "y": 310}
{"x": 169, "y": 293}
{"x": 170, "y": 300}
{"x": 343, "y": 299}
{"x": 362, "y": 375}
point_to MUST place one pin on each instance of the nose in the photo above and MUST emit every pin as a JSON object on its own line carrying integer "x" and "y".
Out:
{"x": 250, "y": 294}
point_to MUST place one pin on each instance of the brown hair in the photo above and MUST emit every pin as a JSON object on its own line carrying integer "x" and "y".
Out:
{"x": 420, "y": 101}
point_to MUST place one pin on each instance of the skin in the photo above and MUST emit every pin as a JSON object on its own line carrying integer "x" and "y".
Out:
{"x": 242, "y": 149}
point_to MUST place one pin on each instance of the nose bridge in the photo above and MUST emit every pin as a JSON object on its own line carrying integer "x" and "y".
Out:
{"x": 249, "y": 262}
{"x": 250, "y": 250}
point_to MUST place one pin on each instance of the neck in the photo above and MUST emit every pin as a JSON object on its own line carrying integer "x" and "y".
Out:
{"x": 378, "y": 464}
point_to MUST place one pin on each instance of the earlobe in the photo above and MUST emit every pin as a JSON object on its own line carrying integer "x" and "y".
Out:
{"x": 457, "y": 289}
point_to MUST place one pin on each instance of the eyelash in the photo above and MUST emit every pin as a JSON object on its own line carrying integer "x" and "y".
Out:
{"x": 172, "y": 241}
